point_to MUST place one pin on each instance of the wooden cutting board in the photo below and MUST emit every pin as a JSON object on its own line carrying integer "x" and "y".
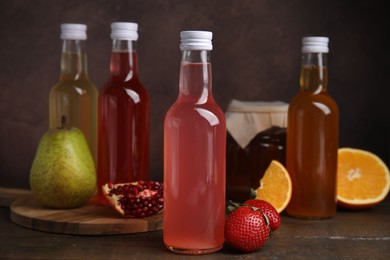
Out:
{"x": 90, "y": 219}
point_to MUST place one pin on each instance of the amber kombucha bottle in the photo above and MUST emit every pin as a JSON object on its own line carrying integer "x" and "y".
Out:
{"x": 312, "y": 137}
{"x": 75, "y": 96}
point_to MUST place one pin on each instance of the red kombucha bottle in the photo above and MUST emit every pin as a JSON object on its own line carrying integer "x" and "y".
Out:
{"x": 123, "y": 115}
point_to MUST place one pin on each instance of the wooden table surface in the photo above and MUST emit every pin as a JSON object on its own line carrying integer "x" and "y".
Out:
{"x": 349, "y": 235}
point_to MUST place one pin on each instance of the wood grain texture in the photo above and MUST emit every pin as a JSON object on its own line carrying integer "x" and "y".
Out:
{"x": 90, "y": 219}
{"x": 349, "y": 235}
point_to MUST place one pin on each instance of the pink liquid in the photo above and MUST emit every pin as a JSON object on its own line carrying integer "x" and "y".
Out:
{"x": 194, "y": 167}
{"x": 123, "y": 125}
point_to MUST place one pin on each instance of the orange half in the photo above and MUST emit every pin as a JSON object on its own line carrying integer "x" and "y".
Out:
{"x": 363, "y": 179}
{"x": 275, "y": 186}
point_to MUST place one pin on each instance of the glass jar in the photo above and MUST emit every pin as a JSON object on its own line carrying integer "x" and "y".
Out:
{"x": 256, "y": 135}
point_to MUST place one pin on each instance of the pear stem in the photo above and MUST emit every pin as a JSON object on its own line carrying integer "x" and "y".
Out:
{"x": 63, "y": 122}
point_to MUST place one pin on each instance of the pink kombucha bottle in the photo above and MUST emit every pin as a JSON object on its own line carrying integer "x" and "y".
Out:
{"x": 194, "y": 156}
{"x": 123, "y": 115}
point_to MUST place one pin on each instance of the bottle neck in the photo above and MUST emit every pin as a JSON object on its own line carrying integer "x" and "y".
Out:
{"x": 124, "y": 63}
{"x": 73, "y": 60}
{"x": 195, "y": 76}
{"x": 314, "y": 73}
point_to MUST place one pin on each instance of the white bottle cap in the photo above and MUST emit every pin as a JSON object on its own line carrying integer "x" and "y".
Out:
{"x": 315, "y": 44}
{"x": 124, "y": 31}
{"x": 73, "y": 31}
{"x": 196, "y": 40}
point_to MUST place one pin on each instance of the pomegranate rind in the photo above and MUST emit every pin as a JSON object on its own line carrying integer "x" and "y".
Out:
{"x": 115, "y": 199}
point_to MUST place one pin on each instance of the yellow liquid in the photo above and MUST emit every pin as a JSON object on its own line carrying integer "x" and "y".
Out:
{"x": 75, "y": 97}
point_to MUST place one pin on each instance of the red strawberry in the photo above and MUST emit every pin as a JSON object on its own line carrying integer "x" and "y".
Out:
{"x": 268, "y": 210}
{"x": 246, "y": 229}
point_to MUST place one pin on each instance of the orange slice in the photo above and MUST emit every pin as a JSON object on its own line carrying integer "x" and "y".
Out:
{"x": 363, "y": 179}
{"x": 275, "y": 186}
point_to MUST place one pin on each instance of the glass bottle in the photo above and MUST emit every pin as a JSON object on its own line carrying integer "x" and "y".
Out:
{"x": 123, "y": 115}
{"x": 194, "y": 156}
{"x": 312, "y": 137}
{"x": 75, "y": 96}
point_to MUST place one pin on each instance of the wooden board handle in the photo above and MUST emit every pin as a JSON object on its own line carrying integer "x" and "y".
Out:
{"x": 90, "y": 219}
{"x": 9, "y": 195}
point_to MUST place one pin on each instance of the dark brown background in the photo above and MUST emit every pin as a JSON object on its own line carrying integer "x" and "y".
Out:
{"x": 256, "y": 56}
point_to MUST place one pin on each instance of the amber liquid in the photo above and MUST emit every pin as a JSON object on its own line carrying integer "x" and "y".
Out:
{"x": 75, "y": 97}
{"x": 123, "y": 125}
{"x": 312, "y": 143}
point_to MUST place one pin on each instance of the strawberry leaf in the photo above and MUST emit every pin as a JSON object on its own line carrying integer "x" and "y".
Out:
{"x": 232, "y": 206}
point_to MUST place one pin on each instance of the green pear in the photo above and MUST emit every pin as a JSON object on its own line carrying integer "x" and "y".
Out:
{"x": 63, "y": 172}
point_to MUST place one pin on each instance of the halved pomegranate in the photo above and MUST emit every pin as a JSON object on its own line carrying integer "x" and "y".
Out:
{"x": 136, "y": 199}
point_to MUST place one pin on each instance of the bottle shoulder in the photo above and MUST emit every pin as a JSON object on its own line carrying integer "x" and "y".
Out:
{"x": 307, "y": 97}
{"x": 119, "y": 86}
{"x": 133, "y": 83}
{"x": 191, "y": 104}
{"x": 322, "y": 103}
{"x": 125, "y": 91}
{"x": 78, "y": 86}
{"x": 191, "y": 112}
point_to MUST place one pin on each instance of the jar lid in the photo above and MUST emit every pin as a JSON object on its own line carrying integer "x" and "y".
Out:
{"x": 124, "y": 31}
{"x": 245, "y": 119}
{"x": 196, "y": 40}
{"x": 73, "y": 31}
{"x": 257, "y": 106}
{"x": 315, "y": 44}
